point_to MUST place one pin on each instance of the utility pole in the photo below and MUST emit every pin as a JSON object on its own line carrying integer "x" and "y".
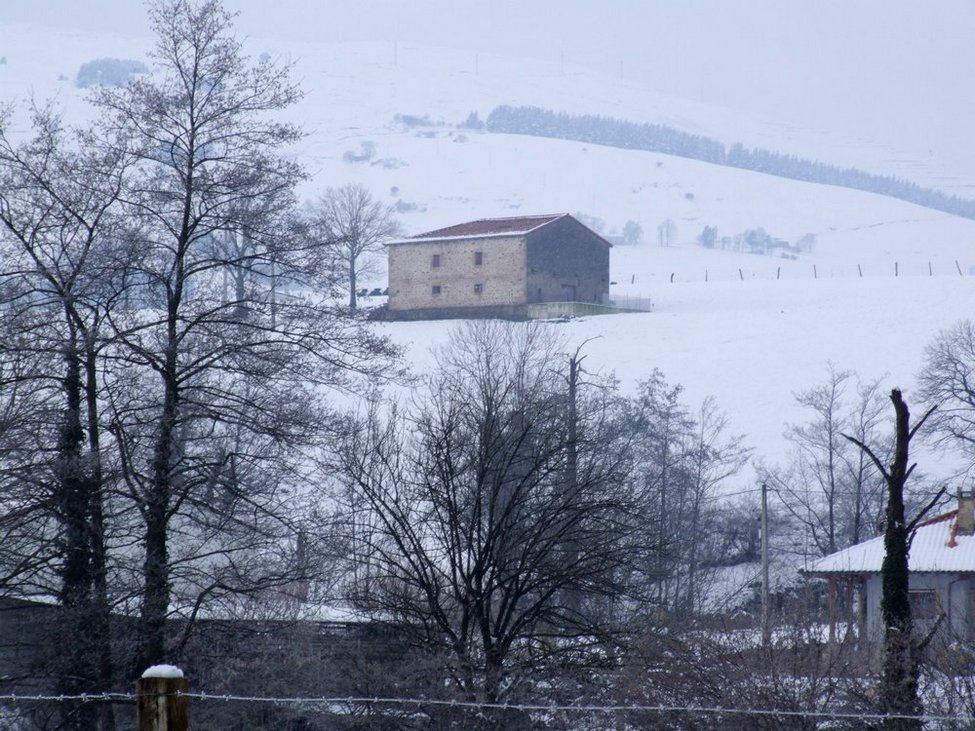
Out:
{"x": 766, "y": 625}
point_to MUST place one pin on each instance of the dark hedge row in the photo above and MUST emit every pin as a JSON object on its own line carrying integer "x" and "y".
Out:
{"x": 612, "y": 132}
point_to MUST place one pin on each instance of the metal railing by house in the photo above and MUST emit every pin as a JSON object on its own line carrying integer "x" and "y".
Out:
{"x": 629, "y": 303}
{"x": 555, "y": 310}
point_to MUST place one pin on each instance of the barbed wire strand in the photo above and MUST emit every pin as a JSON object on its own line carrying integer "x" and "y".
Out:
{"x": 581, "y": 708}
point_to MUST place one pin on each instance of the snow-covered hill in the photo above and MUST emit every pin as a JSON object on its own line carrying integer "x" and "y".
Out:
{"x": 749, "y": 329}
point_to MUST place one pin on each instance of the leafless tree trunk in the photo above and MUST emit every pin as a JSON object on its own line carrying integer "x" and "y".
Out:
{"x": 354, "y": 226}
{"x": 900, "y": 685}
{"x": 138, "y": 399}
{"x": 222, "y": 393}
{"x": 714, "y": 456}
{"x": 474, "y": 521}
{"x": 948, "y": 379}
{"x": 57, "y": 207}
{"x": 660, "y": 428}
{"x": 830, "y": 490}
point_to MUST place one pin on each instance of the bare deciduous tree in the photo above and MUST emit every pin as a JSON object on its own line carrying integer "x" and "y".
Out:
{"x": 666, "y": 232}
{"x": 680, "y": 460}
{"x": 222, "y": 388}
{"x": 831, "y": 490}
{"x": 714, "y": 456}
{"x": 899, "y": 691}
{"x": 661, "y": 430}
{"x": 948, "y": 380}
{"x": 165, "y": 363}
{"x": 491, "y": 534}
{"x": 59, "y": 196}
{"x": 354, "y": 226}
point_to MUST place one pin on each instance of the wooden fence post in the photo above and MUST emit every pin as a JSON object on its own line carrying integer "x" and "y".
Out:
{"x": 162, "y": 701}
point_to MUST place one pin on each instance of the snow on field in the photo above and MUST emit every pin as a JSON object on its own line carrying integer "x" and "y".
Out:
{"x": 753, "y": 344}
{"x": 749, "y": 329}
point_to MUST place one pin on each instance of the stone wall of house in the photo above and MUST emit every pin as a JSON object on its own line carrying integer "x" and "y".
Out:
{"x": 567, "y": 263}
{"x": 494, "y": 312}
{"x": 445, "y": 275}
{"x": 26, "y": 630}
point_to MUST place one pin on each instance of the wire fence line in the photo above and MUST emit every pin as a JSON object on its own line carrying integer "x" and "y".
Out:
{"x": 527, "y": 707}
{"x": 788, "y": 270}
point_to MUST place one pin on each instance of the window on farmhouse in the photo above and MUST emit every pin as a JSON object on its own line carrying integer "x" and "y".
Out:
{"x": 436, "y": 290}
{"x": 924, "y": 605}
{"x": 478, "y": 258}
{"x": 436, "y": 260}
{"x": 478, "y": 288}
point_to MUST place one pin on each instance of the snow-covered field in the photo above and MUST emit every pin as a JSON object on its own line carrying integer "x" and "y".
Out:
{"x": 753, "y": 344}
{"x": 749, "y": 329}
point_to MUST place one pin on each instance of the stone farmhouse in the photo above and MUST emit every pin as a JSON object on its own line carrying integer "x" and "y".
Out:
{"x": 497, "y": 267}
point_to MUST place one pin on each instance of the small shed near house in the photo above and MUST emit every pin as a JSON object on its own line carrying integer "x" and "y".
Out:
{"x": 497, "y": 267}
{"x": 942, "y": 577}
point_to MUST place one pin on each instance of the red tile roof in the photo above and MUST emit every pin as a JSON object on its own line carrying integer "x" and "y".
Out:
{"x": 491, "y": 227}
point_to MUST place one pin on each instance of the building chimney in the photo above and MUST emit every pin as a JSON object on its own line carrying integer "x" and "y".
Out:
{"x": 965, "y": 521}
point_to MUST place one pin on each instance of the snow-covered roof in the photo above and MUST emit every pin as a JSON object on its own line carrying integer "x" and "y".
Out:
{"x": 485, "y": 228}
{"x": 937, "y": 547}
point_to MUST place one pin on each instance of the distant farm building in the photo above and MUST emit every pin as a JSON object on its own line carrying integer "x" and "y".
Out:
{"x": 497, "y": 267}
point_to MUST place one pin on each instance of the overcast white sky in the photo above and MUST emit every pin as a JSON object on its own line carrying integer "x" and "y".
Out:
{"x": 899, "y": 71}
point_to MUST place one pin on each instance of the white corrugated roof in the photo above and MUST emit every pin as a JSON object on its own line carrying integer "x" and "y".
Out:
{"x": 934, "y": 549}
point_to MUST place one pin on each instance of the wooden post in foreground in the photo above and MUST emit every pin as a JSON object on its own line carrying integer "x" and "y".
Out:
{"x": 161, "y": 695}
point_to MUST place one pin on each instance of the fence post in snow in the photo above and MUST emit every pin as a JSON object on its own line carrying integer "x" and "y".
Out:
{"x": 930, "y": 273}
{"x": 815, "y": 275}
{"x": 740, "y": 275}
{"x": 958, "y": 267}
{"x": 860, "y": 269}
{"x": 778, "y": 272}
{"x": 162, "y": 702}
{"x": 896, "y": 268}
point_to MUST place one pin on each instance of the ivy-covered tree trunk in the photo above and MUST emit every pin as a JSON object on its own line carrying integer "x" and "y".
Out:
{"x": 100, "y": 624}
{"x": 899, "y": 690}
{"x": 75, "y": 667}
{"x": 156, "y": 593}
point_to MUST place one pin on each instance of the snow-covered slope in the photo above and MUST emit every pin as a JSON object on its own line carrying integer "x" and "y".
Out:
{"x": 749, "y": 329}
{"x": 753, "y": 344}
